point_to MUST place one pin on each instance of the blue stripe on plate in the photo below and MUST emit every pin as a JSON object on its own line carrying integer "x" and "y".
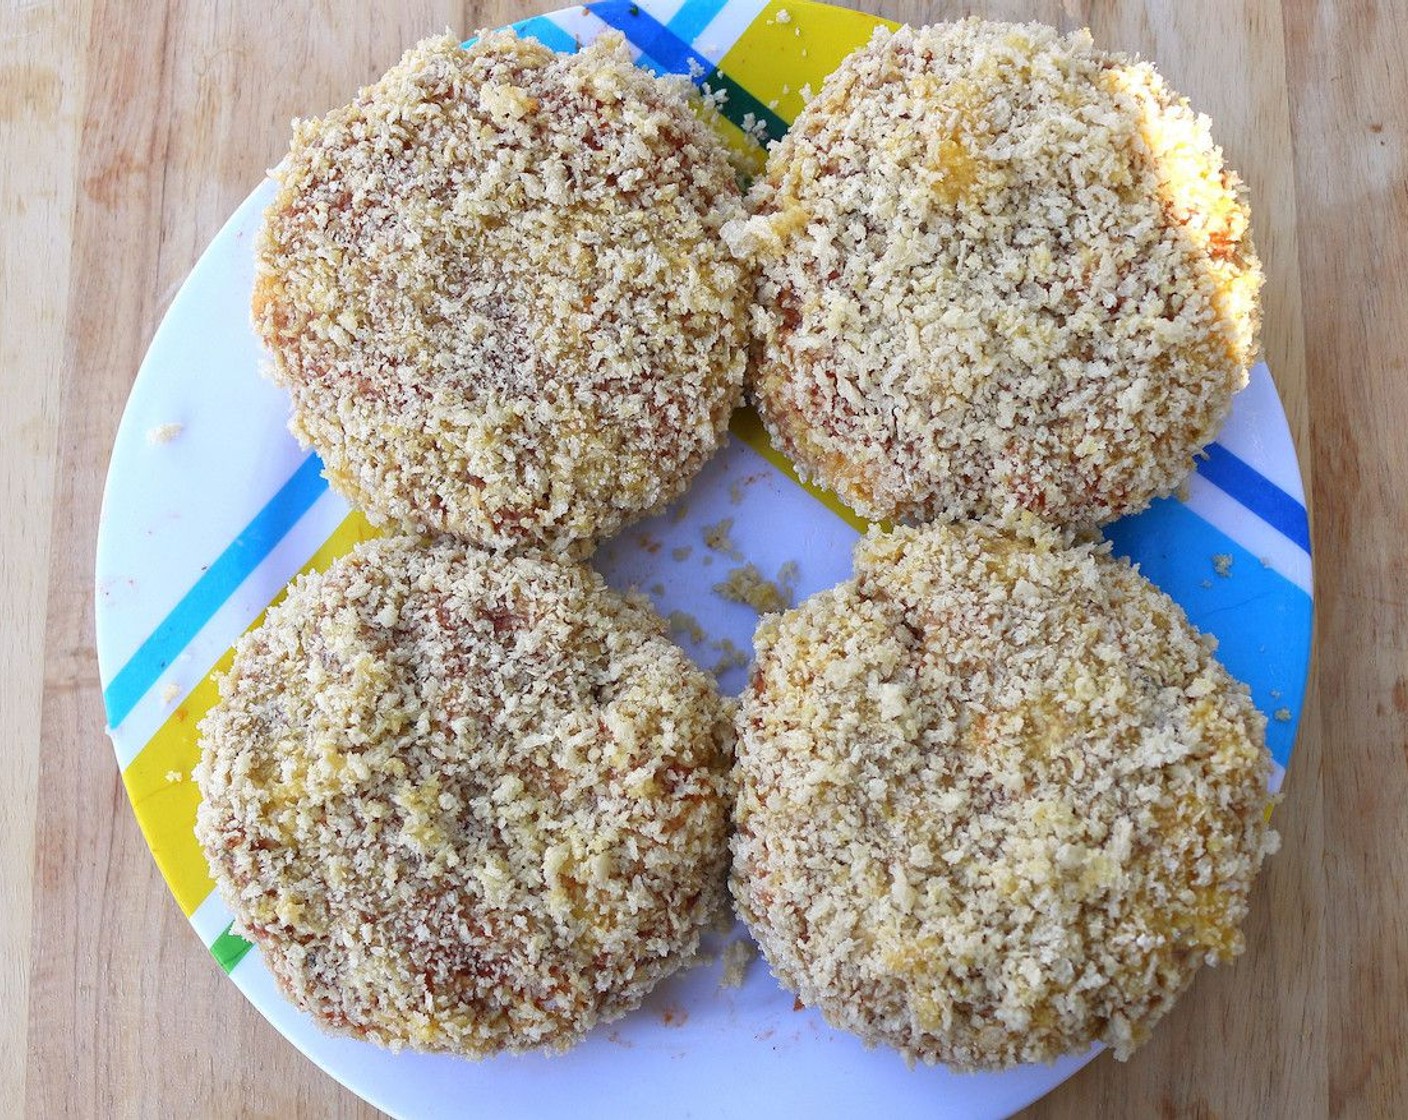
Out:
{"x": 1259, "y": 494}
{"x": 548, "y": 33}
{"x": 660, "y": 70}
{"x": 690, "y": 21}
{"x": 651, "y": 36}
{"x": 1260, "y": 619}
{"x": 245, "y": 553}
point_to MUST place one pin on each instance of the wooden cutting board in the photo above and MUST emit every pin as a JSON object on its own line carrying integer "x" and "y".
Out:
{"x": 131, "y": 131}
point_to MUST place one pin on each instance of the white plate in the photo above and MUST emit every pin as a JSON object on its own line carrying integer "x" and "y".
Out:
{"x": 203, "y": 525}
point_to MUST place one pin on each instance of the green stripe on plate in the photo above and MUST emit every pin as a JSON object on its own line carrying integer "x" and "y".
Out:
{"x": 740, "y": 104}
{"x": 229, "y": 949}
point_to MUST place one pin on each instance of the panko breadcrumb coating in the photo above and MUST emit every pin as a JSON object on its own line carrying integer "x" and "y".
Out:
{"x": 999, "y": 269}
{"x": 495, "y": 289}
{"x": 997, "y": 800}
{"x": 465, "y": 803}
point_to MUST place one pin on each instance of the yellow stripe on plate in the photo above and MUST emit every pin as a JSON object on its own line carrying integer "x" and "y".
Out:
{"x": 159, "y": 781}
{"x": 773, "y": 60}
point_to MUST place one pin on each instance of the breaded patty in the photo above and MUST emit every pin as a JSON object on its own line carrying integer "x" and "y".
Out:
{"x": 464, "y": 802}
{"x": 495, "y": 289}
{"x": 997, "y": 799}
{"x": 999, "y": 270}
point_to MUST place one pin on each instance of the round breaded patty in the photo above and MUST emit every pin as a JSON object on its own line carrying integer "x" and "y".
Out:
{"x": 997, "y": 800}
{"x": 999, "y": 270}
{"x": 463, "y": 802}
{"x": 495, "y": 289}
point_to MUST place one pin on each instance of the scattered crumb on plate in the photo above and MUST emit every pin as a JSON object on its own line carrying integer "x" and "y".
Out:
{"x": 682, "y": 622}
{"x": 164, "y": 433}
{"x": 747, "y": 585}
{"x": 738, "y": 955}
{"x": 733, "y": 657}
{"x": 717, "y": 538}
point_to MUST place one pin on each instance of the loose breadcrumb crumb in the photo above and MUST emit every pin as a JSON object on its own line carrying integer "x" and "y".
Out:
{"x": 170, "y": 692}
{"x": 733, "y": 657}
{"x": 783, "y": 16}
{"x": 1282, "y": 715}
{"x": 999, "y": 269}
{"x": 495, "y": 288}
{"x": 701, "y": 958}
{"x": 463, "y": 802}
{"x": 682, "y": 622}
{"x": 1222, "y": 564}
{"x": 747, "y": 585}
{"x": 164, "y": 433}
{"x": 996, "y": 799}
{"x": 738, "y": 955}
{"x": 175, "y": 776}
{"x": 724, "y": 918}
{"x": 718, "y": 539}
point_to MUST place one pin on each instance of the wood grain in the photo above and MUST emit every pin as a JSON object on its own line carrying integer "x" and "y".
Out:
{"x": 130, "y": 133}
{"x": 38, "y": 114}
{"x": 1348, "y": 89}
